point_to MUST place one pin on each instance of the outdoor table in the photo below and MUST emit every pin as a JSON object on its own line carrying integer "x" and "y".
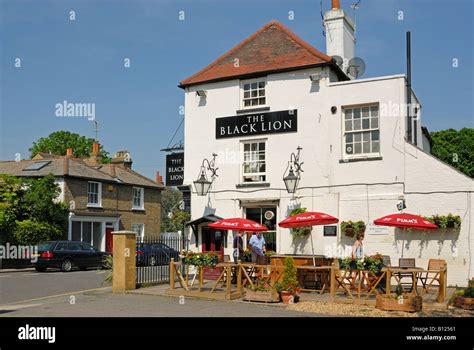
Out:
{"x": 324, "y": 272}
{"x": 366, "y": 277}
{"x": 394, "y": 270}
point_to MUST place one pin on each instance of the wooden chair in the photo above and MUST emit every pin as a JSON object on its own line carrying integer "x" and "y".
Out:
{"x": 406, "y": 263}
{"x": 387, "y": 261}
{"x": 431, "y": 278}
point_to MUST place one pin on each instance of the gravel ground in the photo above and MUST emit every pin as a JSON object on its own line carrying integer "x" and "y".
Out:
{"x": 353, "y": 310}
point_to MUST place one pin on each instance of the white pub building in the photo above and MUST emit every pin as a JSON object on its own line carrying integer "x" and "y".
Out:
{"x": 363, "y": 153}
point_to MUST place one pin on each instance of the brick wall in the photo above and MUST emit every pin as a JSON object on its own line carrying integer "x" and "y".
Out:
{"x": 117, "y": 199}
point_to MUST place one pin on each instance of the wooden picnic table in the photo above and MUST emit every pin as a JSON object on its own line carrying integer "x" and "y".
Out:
{"x": 416, "y": 272}
{"x": 368, "y": 281}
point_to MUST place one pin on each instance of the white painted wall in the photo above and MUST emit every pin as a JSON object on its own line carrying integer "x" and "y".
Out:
{"x": 350, "y": 191}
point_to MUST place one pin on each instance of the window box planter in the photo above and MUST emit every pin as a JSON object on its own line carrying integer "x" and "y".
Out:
{"x": 463, "y": 302}
{"x": 411, "y": 303}
{"x": 261, "y": 296}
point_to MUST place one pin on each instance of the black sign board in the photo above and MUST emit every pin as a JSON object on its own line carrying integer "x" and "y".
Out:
{"x": 330, "y": 231}
{"x": 174, "y": 169}
{"x": 257, "y": 124}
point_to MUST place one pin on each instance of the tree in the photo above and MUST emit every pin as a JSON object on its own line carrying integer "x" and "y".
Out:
{"x": 59, "y": 141}
{"x": 172, "y": 217}
{"x": 455, "y": 148}
{"x": 30, "y": 211}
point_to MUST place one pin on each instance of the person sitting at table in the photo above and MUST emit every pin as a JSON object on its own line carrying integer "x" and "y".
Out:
{"x": 257, "y": 245}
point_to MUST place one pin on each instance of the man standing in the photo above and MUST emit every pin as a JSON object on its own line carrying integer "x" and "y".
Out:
{"x": 257, "y": 244}
{"x": 238, "y": 248}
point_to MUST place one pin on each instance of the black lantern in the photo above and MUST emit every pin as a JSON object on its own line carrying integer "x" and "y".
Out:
{"x": 291, "y": 181}
{"x": 203, "y": 184}
{"x": 293, "y": 178}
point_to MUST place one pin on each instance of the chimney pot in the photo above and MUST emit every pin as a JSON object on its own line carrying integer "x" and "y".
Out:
{"x": 69, "y": 152}
{"x": 95, "y": 148}
{"x": 335, "y": 4}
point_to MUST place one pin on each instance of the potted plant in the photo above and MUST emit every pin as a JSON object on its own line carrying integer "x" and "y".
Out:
{"x": 400, "y": 301}
{"x": 210, "y": 259}
{"x": 465, "y": 297}
{"x": 352, "y": 228}
{"x": 288, "y": 287}
{"x": 268, "y": 256}
{"x": 248, "y": 255}
{"x": 300, "y": 231}
{"x": 262, "y": 291}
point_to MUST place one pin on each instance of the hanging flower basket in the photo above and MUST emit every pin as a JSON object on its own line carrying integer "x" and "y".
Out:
{"x": 353, "y": 228}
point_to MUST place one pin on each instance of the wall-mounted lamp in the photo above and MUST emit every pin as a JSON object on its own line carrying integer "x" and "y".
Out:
{"x": 317, "y": 77}
{"x": 293, "y": 178}
{"x": 203, "y": 184}
{"x": 201, "y": 93}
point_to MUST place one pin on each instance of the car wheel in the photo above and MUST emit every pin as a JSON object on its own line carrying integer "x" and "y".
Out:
{"x": 40, "y": 269}
{"x": 152, "y": 261}
{"x": 66, "y": 266}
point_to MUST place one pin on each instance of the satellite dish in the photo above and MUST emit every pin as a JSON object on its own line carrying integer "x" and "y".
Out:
{"x": 356, "y": 67}
{"x": 269, "y": 215}
{"x": 338, "y": 60}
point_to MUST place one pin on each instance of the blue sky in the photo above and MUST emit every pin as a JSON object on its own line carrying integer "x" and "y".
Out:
{"x": 138, "y": 107}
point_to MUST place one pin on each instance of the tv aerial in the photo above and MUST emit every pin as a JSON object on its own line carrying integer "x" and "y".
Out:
{"x": 356, "y": 67}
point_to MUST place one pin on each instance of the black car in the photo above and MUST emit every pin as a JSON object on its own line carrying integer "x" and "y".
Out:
{"x": 151, "y": 254}
{"x": 66, "y": 255}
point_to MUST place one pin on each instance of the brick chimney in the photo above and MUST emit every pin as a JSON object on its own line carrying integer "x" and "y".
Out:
{"x": 159, "y": 178}
{"x": 123, "y": 159}
{"x": 95, "y": 158}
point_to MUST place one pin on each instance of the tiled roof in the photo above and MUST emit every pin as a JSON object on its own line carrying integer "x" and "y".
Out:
{"x": 76, "y": 167}
{"x": 273, "y": 48}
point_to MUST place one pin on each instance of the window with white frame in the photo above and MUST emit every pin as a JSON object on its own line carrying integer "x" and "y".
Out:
{"x": 138, "y": 198}
{"x": 253, "y": 93}
{"x": 254, "y": 165}
{"x": 361, "y": 130}
{"x": 94, "y": 194}
{"x": 139, "y": 229}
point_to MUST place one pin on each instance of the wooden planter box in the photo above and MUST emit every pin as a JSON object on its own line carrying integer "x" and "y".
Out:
{"x": 465, "y": 303}
{"x": 266, "y": 297}
{"x": 411, "y": 303}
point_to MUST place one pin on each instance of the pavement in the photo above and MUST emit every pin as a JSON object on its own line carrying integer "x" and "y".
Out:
{"x": 102, "y": 303}
{"x": 28, "y": 293}
{"x": 25, "y": 285}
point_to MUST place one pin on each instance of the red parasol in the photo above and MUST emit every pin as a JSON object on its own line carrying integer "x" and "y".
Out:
{"x": 405, "y": 220}
{"x": 308, "y": 219}
{"x": 238, "y": 224}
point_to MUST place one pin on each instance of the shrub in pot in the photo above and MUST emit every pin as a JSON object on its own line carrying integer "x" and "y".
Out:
{"x": 288, "y": 287}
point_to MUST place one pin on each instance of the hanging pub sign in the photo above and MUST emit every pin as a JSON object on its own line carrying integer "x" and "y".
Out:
{"x": 174, "y": 169}
{"x": 257, "y": 124}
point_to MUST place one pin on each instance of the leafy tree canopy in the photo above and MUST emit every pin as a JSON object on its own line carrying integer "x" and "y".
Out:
{"x": 455, "y": 148}
{"x": 172, "y": 217}
{"x": 30, "y": 211}
{"x": 59, "y": 141}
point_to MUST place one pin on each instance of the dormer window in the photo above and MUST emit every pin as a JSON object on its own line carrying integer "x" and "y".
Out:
{"x": 253, "y": 93}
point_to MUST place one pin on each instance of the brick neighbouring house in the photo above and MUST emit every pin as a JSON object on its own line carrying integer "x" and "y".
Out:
{"x": 102, "y": 197}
